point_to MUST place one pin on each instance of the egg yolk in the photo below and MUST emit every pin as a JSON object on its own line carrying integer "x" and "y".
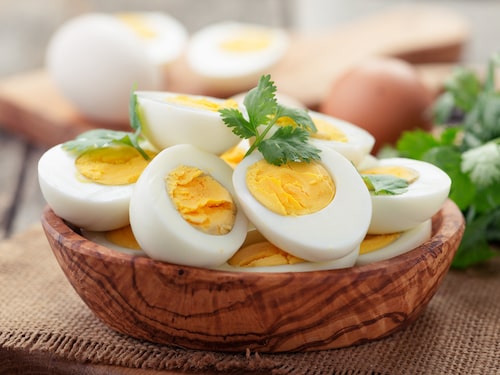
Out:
{"x": 138, "y": 24}
{"x": 233, "y": 156}
{"x": 374, "y": 242}
{"x": 408, "y": 174}
{"x": 262, "y": 254}
{"x": 291, "y": 189}
{"x": 123, "y": 237}
{"x": 328, "y": 132}
{"x": 202, "y": 103}
{"x": 201, "y": 200}
{"x": 112, "y": 165}
{"x": 248, "y": 40}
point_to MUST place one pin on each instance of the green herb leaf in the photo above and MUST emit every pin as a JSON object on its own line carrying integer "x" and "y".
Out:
{"x": 287, "y": 143}
{"x": 381, "y": 184}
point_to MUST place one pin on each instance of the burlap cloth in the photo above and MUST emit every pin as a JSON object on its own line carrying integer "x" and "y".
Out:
{"x": 459, "y": 333}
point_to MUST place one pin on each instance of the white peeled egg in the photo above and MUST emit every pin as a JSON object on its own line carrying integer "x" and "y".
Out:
{"x": 358, "y": 142}
{"x": 231, "y": 56}
{"x": 325, "y": 235}
{"x": 101, "y": 239}
{"x": 407, "y": 241}
{"x": 96, "y": 59}
{"x": 424, "y": 198}
{"x": 160, "y": 229}
{"x": 167, "y": 122}
{"x": 85, "y": 204}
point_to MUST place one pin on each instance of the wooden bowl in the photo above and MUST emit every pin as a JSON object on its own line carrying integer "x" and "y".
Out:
{"x": 268, "y": 312}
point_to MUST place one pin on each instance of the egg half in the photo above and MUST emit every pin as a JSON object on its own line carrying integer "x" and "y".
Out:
{"x": 120, "y": 239}
{"x": 172, "y": 118}
{"x": 427, "y": 191}
{"x": 183, "y": 209}
{"x": 324, "y": 234}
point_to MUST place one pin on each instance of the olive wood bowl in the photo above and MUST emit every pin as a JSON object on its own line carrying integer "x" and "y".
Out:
{"x": 204, "y": 309}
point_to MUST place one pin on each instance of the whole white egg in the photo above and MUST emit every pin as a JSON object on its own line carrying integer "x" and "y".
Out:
{"x": 405, "y": 242}
{"x": 161, "y": 230}
{"x": 171, "y": 118}
{"x": 423, "y": 199}
{"x": 324, "y": 235}
{"x": 231, "y": 56}
{"x": 83, "y": 203}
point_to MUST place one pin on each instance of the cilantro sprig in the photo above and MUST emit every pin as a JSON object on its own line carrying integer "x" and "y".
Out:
{"x": 467, "y": 147}
{"x": 100, "y": 138}
{"x": 385, "y": 184}
{"x": 278, "y": 145}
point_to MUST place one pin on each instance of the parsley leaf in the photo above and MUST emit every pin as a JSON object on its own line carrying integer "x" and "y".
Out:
{"x": 283, "y": 143}
{"x": 381, "y": 184}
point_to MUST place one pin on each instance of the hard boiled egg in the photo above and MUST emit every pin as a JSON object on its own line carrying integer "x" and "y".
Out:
{"x": 172, "y": 118}
{"x": 121, "y": 239}
{"x": 428, "y": 188}
{"x": 230, "y": 56}
{"x": 184, "y": 210}
{"x": 96, "y": 59}
{"x": 318, "y": 211}
{"x": 377, "y": 247}
{"x": 92, "y": 190}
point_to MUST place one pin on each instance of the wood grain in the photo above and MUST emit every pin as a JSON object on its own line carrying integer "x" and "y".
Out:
{"x": 274, "y": 312}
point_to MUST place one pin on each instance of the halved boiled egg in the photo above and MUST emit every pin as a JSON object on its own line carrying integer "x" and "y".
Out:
{"x": 230, "y": 56}
{"x": 171, "y": 118}
{"x": 377, "y": 247}
{"x": 120, "y": 239}
{"x": 318, "y": 211}
{"x": 92, "y": 190}
{"x": 184, "y": 210}
{"x": 428, "y": 189}
{"x": 350, "y": 140}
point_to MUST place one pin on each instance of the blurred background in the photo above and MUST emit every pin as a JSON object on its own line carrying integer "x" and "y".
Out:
{"x": 26, "y": 25}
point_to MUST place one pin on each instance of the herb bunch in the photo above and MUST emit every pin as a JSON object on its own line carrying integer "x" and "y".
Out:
{"x": 467, "y": 147}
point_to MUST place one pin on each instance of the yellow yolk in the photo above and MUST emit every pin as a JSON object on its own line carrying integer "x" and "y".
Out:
{"x": 249, "y": 40}
{"x": 327, "y": 131}
{"x": 233, "y": 156}
{"x": 123, "y": 237}
{"x": 201, "y": 200}
{"x": 138, "y": 24}
{"x": 374, "y": 242}
{"x": 292, "y": 188}
{"x": 112, "y": 165}
{"x": 202, "y": 103}
{"x": 408, "y": 174}
{"x": 262, "y": 254}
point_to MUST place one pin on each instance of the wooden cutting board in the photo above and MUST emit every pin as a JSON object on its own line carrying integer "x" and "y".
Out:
{"x": 31, "y": 106}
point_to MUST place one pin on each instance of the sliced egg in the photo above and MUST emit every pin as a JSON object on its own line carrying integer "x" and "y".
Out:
{"x": 427, "y": 191}
{"x": 331, "y": 230}
{"x": 120, "y": 239}
{"x": 96, "y": 195}
{"x": 379, "y": 247}
{"x": 183, "y": 209}
{"x": 350, "y": 140}
{"x": 172, "y": 118}
{"x": 231, "y": 56}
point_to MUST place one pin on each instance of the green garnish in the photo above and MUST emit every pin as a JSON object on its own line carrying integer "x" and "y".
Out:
{"x": 385, "y": 184}
{"x": 468, "y": 149}
{"x": 287, "y": 143}
{"x": 100, "y": 138}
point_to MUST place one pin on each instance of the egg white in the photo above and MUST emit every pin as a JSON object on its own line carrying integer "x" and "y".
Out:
{"x": 325, "y": 235}
{"x": 408, "y": 240}
{"x": 424, "y": 198}
{"x": 169, "y": 123}
{"x": 160, "y": 229}
{"x": 100, "y": 238}
{"x": 83, "y": 203}
{"x": 359, "y": 144}
{"x": 232, "y": 71}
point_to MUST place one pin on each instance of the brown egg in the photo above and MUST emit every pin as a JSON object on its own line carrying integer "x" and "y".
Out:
{"x": 382, "y": 95}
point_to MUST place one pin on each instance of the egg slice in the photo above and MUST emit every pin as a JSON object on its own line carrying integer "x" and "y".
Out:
{"x": 231, "y": 56}
{"x": 96, "y": 194}
{"x": 171, "y": 118}
{"x": 379, "y": 247}
{"x": 183, "y": 209}
{"x": 427, "y": 191}
{"x": 330, "y": 230}
{"x": 350, "y": 140}
{"x": 120, "y": 239}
